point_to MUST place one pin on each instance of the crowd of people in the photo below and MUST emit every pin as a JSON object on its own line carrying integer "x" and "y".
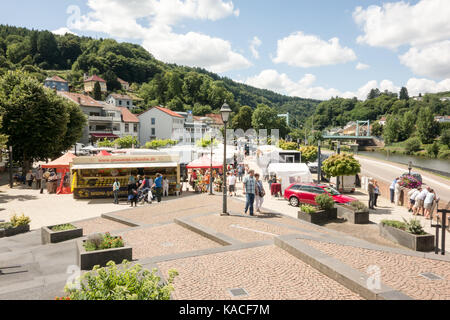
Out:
{"x": 40, "y": 178}
{"x": 422, "y": 200}
{"x": 143, "y": 189}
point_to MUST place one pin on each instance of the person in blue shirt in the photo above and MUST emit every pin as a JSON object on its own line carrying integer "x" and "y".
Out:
{"x": 158, "y": 184}
{"x": 392, "y": 189}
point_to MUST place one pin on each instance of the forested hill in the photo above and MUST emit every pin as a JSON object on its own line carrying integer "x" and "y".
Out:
{"x": 180, "y": 88}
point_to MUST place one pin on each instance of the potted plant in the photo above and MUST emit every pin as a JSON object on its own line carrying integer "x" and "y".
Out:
{"x": 340, "y": 165}
{"x": 324, "y": 213}
{"x": 355, "y": 212}
{"x": 17, "y": 225}
{"x": 98, "y": 249}
{"x": 60, "y": 233}
{"x": 407, "y": 233}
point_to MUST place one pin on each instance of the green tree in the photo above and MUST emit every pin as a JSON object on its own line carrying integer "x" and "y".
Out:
{"x": 47, "y": 48}
{"x": 243, "y": 119}
{"x": 200, "y": 110}
{"x": 433, "y": 149}
{"x": 111, "y": 81}
{"x": 373, "y": 94}
{"x": 126, "y": 142}
{"x": 404, "y": 94}
{"x": 377, "y": 129}
{"x": 309, "y": 153}
{"x": 339, "y": 165}
{"x": 97, "y": 91}
{"x": 445, "y": 137}
{"x": 264, "y": 117}
{"x": 35, "y": 119}
{"x": 392, "y": 129}
{"x": 412, "y": 145}
{"x": 427, "y": 127}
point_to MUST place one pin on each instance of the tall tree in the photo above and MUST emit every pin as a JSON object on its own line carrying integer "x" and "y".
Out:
{"x": 373, "y": 94}
{"x": 264, "y": 117}
{"x": 35, "y": 119}
{"x": 404, "y": 94}
{"x": 97, "y": 91}
{"x": 427, "y": 127}
{"x": 243, "y": 119}
{"x": 48, "y": 48}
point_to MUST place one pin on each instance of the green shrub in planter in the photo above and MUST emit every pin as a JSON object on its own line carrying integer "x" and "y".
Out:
{"x": 63, "y": 227}
{"x": 358, "y": 206}
{"x": 325, "y": 202}
{"x": 413, "y": 226}
{"x": 131, "y": 283}
{"x": 21, "y": 220}
{"x": 6, "y": 225}
{"x": 308, "y": 209}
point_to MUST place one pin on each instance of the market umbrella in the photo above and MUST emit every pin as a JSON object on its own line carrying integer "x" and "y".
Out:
{"x": 204, "y": 163}
{"x": 103, "y": 153}
{"x": 62, "y": 162}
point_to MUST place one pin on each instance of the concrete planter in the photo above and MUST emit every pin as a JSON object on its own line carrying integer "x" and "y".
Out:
{"x": 86, "y": 260}
{"x": 14, "y": 231}
{"x": 319, "y": 217}
{"x": 414, "y": 242}
{"x": 352, "y": 215}
{"x": 50, "y": 236}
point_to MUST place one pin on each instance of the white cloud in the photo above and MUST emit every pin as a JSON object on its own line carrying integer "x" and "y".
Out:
{"x": 398, "y": 23}
{"x": 362, "y": 66}
{"x": 254, "y": 44}
{"x": 281, "y": 83}
{"x": 432, "y": 61}
{"x": 62, "y": 31}
{"x": 301, "y": 50}
{"x": 128, "y": 20}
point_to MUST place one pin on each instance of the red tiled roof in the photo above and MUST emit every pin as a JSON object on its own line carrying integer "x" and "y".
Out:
{"x": 169, "y": 112}
{"x": 122, "y": 81}
{"x": 121, "y": 96}
{"x": 216, "y": 117}
{"x": 80, "y": 99}
{"x": 127, "y": 116}
{"x": 94, "y": 78}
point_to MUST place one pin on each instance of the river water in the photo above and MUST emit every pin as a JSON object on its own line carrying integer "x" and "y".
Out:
{"x": 436, "y": 165}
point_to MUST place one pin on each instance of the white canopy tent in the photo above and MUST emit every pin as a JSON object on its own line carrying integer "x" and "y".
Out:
{"x": 290, "y": 173}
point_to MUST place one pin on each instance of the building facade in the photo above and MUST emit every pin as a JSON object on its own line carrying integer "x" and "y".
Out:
{"x": 120, "y": 100}
{"x": 89, "y": 83}
{"x": 160, "y": 123}
{"x": 125, "y": 85}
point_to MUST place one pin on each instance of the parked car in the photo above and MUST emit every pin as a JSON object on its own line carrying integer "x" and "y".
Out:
{"x": 313, "y": 166}
{"x": 306, "y": 193}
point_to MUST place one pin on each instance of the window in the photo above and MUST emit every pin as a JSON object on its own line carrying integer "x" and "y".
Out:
{"x": 153, "y": 132}
{"x": 127, "y": 127}
{"x": 317, "y": 190}
{"x": 120, "y": 102}
{"x": 128, "y": 103}
{"x": 153, "y": 121}
{"x": 135, "y": 128}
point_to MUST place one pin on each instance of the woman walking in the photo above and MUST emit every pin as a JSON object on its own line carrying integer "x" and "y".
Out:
{"x": 259, "y": 194}
{"x": 132, "y": 193}
{"x": 377, "y": 192}
{"x": 428, "y": 203}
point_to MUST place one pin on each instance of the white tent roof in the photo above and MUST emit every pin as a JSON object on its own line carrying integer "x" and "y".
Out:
{"x": 288, "y": 168}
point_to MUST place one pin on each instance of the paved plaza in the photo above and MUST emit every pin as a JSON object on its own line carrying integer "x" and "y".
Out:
{"x": 269, "y": 256}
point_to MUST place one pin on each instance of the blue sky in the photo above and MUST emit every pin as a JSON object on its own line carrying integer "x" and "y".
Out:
{"x": 401, "y": 43}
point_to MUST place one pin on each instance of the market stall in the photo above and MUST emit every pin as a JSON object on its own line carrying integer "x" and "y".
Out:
{"x": 203, "y": 164}
{"x": 93, "y": 177}
{"x": 290, "y": 173}
{"x": 62, "y": 166}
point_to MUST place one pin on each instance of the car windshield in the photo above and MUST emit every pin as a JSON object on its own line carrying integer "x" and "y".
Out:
{"x": 332, "y": 191}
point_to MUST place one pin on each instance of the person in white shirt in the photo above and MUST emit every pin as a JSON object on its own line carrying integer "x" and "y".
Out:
{"x": 420, "y": 199}
{"x": 165, "y": 187}
{"x": 428, "y": 203}
{"x": 412, "y": 197}
{"x": 397, "y": 191}
{"x": 231, "y": 182}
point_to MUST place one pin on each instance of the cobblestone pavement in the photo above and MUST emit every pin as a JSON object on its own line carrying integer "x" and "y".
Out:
{"x": 99, "y": 225}
{"x": 164, "y": 240}
{"x": 266, "y": 273}
{"x": 398, "y": 271}
{"x": 242, "y": 228}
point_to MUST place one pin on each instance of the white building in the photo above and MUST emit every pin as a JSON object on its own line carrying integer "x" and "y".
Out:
{"x": 120, "y": 100}
{"x": 160, "y": 123}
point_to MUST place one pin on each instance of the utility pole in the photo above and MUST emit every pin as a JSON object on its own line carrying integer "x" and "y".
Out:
{"x": 319, "y": 164}
{"x": 338, "y": 152}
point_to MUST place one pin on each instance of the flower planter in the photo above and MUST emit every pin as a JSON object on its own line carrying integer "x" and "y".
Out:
{"x": 14, "y": 231}
{"x": 50, "y": 236}
{"x": 86, "y": 260}
{"x": 352, "y": 215}
{"x": 318, "y": 217}
{"x": 423, "y": 243}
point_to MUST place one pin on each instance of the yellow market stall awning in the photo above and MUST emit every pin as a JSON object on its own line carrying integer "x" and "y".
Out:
{"x": 125, "y": 165}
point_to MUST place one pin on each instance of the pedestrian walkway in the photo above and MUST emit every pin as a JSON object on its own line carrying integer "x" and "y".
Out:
{"x": 269, "y": 256}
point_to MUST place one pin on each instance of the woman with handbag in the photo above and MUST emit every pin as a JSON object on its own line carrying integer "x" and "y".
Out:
{"x": 259, "y": 194}
{"x": 132, "y": 193}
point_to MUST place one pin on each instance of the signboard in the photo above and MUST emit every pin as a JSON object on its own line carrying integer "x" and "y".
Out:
{"x": 126, "y": 159}
{"x": 98, "y": 193}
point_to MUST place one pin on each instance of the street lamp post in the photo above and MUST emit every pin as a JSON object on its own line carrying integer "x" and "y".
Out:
{"x": 10, "y": 167}
{"x": 410, "y": 167}
{"x": 211, "y": 168}
{"x": 225, "y": 111}
{"x": 319, "y": 164}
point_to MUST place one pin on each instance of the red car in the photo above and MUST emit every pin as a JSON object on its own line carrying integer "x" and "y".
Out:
{"x": 306, "y": 193}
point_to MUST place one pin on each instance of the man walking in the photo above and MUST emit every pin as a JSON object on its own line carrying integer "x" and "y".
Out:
{"x": 39, "y": 174}
{"x": 249, "y": 186}
{"x": 116, "y": 189}
{"x": 231, "y": 182}
{"x": 165, "y": 187}
{"x": 392, "y": 189}
{"x": 158, "y": 186}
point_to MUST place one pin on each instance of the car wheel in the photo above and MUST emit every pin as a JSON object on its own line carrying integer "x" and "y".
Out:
{"x": 294, "y": 201}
